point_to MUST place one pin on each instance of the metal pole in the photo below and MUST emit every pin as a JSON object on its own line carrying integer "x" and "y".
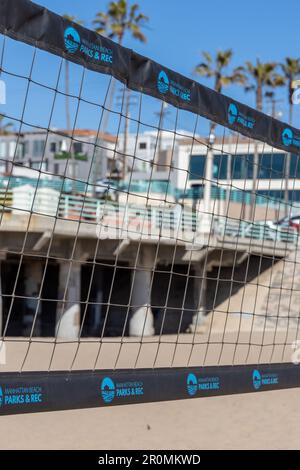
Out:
{"x": 254, "y": 181}
{"x": 286, "y": 189}
{"x": 208, "y": 175}
{"x": 126, "y": 130}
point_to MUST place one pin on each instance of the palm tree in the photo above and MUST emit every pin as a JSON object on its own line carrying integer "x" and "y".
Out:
{"x": 120, "y": 18}
{"x": 5, "y": 127}
{"x": 216, "y": 68}
{"x": 260, "y": 77}
{"x": 291, "y": 71}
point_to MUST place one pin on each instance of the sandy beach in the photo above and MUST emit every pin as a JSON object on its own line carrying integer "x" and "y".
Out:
{"x": 267, "y": 420}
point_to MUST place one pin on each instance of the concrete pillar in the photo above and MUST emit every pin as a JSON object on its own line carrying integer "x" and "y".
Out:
{"x": 142, "y": 321}
{"x": 95, "y": 310}
{"x": 68, "y": 313}
{"x": 200, "y": 286}
{"x": 1, "y": 303}
{"x": 33, "y": 271}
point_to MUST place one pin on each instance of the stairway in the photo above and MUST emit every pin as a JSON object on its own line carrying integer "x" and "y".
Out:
{"x": 281, "y": 306}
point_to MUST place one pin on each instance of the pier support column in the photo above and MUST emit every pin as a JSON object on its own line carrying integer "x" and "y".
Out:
{"x": 200, "y": 287}
{"x": 142, "y": 321}
{"x": 1, "y": 303}
{"x": 68, "y": 313}
{"x": 33, "y": 272}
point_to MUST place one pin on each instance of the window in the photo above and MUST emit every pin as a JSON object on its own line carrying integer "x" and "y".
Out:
{"x": 38, "y": 148}
{"x": 56, "y": 168}
{"x": 53, "y": 147}
{"x": 220, "y": 167}
{"x": 197, "y": 167}
{"x": 272, "y": 166}
{"x": 20, "y": 150}
{"x": 42, "y": 166}
{"x": 295, "y": 166}
{"x": 242, "y": 166}
{"x": 11, "y": 149}
{"x": 77, "y": 147}
{"x": 143, "y": 146}
{"x": 25, "y": 148}
{"x": 280, "y": 194}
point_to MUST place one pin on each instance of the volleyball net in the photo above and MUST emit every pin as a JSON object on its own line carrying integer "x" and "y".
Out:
{"x": 149, "y": 228}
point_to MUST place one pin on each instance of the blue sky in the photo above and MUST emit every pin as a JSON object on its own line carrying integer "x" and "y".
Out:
{"x": 177, "y": 33}
{"x": 180, "y": 30}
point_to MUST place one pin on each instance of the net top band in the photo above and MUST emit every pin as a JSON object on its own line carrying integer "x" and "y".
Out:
{"x": 35, "y": 25}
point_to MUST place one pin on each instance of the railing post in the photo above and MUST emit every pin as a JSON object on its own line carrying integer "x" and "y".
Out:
{"x": 65, "y": 205}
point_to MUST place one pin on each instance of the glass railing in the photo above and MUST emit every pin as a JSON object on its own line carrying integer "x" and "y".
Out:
{"x": 154, "y": 187}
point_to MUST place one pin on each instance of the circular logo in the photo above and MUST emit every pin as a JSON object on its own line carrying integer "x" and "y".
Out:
{"x": 107, "y": 390}
{"x": 232, "y": 113}
{"x": 256, "y": 378}
{"x": 163, "y": 82}
{"x": 72, "y": 40}
{"x": 287, "y": 137}
{"x": 1, "y": 397}
{"x": 192, "y": 385}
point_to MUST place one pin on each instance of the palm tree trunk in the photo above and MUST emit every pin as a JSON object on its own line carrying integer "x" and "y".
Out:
{"x": 110, "y": 100}
{"x": 209, "y": 170}
{"x": 291, "y": 112}
{"x": 126, "y": 132}
{"x": 210, "y": 157}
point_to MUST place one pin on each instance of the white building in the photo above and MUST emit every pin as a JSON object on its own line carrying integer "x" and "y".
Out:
{"x": 233, "y": 168}
{"x": 87, "y": 156}
{"x": 154, "y": 155}
{"x": 176, "y": 163}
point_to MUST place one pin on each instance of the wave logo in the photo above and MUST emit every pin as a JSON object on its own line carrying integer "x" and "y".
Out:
{"x": 163, "y": 82}
{"x": 72, "y": 40}
{"x": 287, "y": 137}
{"x": 192, "y": 385}
{"x": 107, "y": 390}
{"x": 256, "y": 379}
{"x": 232, "y": 113}
{"x": 1, "y": 397}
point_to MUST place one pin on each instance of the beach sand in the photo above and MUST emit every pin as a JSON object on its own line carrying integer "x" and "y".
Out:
{"x": 266, "y": 420}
